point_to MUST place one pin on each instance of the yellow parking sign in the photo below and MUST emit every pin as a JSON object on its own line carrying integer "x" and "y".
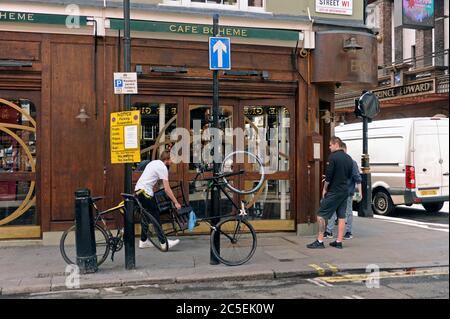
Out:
{"x": 125, "y": 133}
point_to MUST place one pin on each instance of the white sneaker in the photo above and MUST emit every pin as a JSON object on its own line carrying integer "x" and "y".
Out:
{"x": 146, "y": 244}
{"x": 172, "y": 243}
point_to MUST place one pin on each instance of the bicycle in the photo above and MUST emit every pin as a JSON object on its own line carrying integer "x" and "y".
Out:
{"x": 237, "y": 237}
{"x": 105, "y": 240}
{"x": 235, "y": 233}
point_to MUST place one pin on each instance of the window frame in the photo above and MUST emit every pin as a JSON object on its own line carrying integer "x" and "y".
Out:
{"x": 241, "y": 5}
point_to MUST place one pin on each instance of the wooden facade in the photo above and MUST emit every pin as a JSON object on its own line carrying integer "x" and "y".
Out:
{"x": 70, "y": 72}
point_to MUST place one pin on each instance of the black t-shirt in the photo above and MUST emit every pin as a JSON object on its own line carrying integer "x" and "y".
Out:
{"x": 339, "y": 171}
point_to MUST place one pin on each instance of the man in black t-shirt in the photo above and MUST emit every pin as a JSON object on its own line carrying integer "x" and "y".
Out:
{"x": 335, "y": 193}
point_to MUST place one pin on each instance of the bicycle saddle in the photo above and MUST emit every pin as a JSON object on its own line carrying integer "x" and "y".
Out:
{"x": 97, "y": 198}
{"x": 127, "y": 196}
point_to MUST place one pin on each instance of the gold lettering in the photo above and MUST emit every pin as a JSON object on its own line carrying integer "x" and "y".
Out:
{"x": 353, "y": 66}
{"x": 207, "y": 30}
{"x": 31, "y": 17}
{"x": 194, "y": 29}
{"x": 244, "y": 33}
{"x": 237, "y": 32}
{"x": 173, "y": 28}
{"x": 21, "y": 16}
{"x": 12, "y": 16}
{"x": 229, "y": 32}
{"x": 180, "y": 29}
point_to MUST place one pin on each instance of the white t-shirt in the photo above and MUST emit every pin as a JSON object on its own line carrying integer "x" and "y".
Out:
{"x": 153, "y": 172}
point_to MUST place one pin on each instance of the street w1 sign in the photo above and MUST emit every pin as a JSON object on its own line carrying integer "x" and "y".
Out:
{"x": 219, "y": 53}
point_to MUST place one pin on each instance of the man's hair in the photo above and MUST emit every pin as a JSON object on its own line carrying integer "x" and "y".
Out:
{"x": 344, "y": 146}
{"x": 335, "y": 139}
{"x": 165, "y": 156}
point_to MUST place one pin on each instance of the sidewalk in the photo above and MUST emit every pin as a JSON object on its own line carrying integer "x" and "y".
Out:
{"x": 37, "y": 268}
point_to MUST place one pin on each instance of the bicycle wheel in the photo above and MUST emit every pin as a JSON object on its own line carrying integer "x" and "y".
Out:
{"x": 155, "y": 232}
{"x": 237, "y": 241}
{"x": 227, "y": 167}
{"x": 68, "y": 248}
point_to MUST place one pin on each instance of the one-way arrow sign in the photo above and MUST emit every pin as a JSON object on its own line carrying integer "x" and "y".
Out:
{"x": 219, "y": 53}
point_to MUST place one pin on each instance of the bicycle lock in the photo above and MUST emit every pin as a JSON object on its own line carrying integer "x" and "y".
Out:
{"x": 84, "y": 232}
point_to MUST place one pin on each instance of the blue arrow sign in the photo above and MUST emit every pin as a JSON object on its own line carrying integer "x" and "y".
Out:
{"x": 219, "y": 53}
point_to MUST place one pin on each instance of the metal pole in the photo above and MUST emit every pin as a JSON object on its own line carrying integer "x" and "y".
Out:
{"x": 215, "y": 195}
{"x": 84, "y": 232}
{"x": 366, "y": 203}
{"x": 130, "y": 257}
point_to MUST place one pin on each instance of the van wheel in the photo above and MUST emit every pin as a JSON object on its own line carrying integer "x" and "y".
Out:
{"x": 433, "y": 207}
{"x": 382, "y": 203}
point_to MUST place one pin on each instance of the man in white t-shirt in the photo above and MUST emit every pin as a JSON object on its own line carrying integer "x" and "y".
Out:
{"x": 153, "y": 172}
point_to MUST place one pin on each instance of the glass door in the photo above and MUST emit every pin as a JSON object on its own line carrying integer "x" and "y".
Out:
{"x": 18, "y": 212}
{"x": 198, "y": 121}
{"x": 269, "y": 133}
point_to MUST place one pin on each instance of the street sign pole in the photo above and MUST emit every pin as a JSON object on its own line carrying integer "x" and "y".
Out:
{"x": 130, "y": 257}
{"x": 366, "y": 184}
{"x": 215, "y": 204}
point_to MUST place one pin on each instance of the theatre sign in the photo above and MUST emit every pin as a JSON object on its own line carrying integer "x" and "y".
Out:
{"x": 413, "y": 89}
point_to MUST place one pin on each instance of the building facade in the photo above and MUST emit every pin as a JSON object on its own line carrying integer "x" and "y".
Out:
{"x": 413, "y": 60}
{"x": 57, "y": 61}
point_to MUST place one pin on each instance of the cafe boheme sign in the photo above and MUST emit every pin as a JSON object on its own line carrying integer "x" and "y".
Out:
{"x": 409, "y": 90}
{"x": 42, "y": 18}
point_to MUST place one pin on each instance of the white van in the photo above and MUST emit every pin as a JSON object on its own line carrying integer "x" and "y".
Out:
{"x": 408, "y": 161}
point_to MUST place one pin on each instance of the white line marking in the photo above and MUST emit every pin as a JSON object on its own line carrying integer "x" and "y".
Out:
{"x": 357, "y": 297}
{"x": 315, "y": 282}
{"x": 323, "y": 282}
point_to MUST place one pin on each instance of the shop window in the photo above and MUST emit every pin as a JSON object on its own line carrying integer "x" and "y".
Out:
{"x": 158, "y": 120}
{"x": 202, "y": 116}
{"x": 267, "y": 130}
{"x": 17, "y": 162}
{"x": 273, "y": 201}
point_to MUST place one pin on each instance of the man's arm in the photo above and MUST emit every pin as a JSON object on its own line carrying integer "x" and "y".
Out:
{"x": 169, "y": 193}
{"x": 329, "y": 172}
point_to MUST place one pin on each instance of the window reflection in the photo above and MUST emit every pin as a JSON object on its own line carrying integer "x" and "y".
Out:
{"x": 267, "y": 131}
{"x": 158, "y": 120}
{"x": 273, "y": 201}
{"x": 17, "y": 162}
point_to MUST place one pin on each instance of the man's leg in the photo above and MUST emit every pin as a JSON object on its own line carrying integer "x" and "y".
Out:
{"x": 341, "y": 214}
{"x": 349, "y": 214}
{"x": 322, "y": 226}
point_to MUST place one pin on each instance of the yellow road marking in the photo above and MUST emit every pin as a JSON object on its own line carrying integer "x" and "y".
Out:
{"x": 333, "y": 268}
{"x": 320, "y": 270}
{"x": 383, "y": 275}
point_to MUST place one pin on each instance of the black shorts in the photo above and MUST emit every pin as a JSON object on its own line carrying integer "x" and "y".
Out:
{"x": 333, "y": 202}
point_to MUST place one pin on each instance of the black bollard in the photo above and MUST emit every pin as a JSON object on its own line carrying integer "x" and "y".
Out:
{"x": 84, "y": 233}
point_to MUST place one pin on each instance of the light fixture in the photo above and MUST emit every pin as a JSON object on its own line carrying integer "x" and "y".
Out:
{"x": 82, "y": 116}
{"x": 351, "y": 45}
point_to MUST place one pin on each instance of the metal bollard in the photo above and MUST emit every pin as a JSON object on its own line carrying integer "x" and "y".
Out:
{"x": 84, "y": 233}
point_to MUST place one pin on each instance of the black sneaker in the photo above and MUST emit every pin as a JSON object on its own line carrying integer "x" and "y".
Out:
{"x": 316, "y": 245}
{"x": 327, "y": 235}
{"x": 335, "y": 244}
{"x": 348, "y": 235}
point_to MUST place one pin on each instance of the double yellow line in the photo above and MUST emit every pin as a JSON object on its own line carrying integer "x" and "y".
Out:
{"x": 385, "y": 275}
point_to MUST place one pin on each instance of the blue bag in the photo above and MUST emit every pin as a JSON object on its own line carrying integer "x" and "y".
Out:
{"x": 192, "y": 221}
